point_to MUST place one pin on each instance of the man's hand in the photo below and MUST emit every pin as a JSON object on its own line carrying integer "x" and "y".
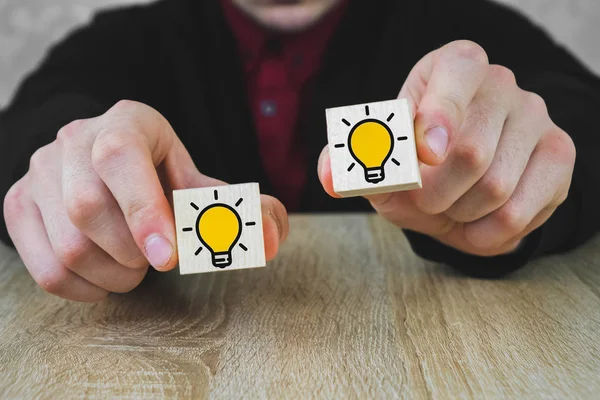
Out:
{"x": 494, "y": 166}
{"x": 91, "y": 213}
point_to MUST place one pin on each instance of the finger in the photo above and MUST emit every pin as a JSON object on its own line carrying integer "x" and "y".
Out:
{"x": 544, "y": 184}
{"x": 400, "y": 209}
{"x": 28, "y": 234}
{"x": 456, "y": 238}
{"x": 324, "y": 173}
{"x": 134, "y": 139}
{"x": 538, "y": 221}
{"x": 89, "y": 204}
{"x": 440, "y": 88}
{"x": 521, "y": 132}
{"x": 275, "y": 225}
{"x": 396, "y": 207}
{"x": 473, "y": 149}
{"x": 71, "y": 247}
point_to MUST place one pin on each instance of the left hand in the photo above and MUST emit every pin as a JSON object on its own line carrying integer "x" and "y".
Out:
{"x": 493, "y": 164}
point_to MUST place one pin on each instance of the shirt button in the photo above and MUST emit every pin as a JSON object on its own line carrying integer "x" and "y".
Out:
{"x": 268, "y": 108}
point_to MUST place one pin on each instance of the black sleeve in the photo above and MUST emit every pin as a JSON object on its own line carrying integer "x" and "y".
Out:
{"x": 80, "y": 78}
{"x": 572, "y": 95}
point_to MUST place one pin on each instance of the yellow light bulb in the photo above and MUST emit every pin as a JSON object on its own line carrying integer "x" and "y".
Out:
{"x": 371, "y": 143}
{"x": 219, "y": 227}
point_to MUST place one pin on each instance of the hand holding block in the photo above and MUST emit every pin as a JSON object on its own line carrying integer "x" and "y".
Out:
{"x": 219, "y": 228}
{"x": 372, "y": 148}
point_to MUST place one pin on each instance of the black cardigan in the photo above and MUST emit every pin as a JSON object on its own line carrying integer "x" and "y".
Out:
{"x": 179, "y": 57}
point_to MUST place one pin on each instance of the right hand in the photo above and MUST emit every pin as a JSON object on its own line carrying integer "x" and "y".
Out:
{"x": 91, "y": 213}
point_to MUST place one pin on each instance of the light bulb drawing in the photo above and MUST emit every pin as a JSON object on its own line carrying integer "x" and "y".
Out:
{"x": 371, "y": 144}
{"x": 219, "y": 228}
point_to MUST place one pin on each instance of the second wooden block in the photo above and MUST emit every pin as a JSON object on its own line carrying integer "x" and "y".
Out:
{"x": 372, "y": 148}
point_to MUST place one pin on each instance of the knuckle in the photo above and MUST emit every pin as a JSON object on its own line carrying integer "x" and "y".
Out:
{"x": 13, "y": 206}
{"x": 471, "y": 157}
{"x": 496, "y": 189}
{"x": 569, "y": 146}
{"x": 452, "y": 106}
{"x": 52, "y": 280}
{"x": 511, "y": 219}
{"x": 471, "y": 50}
{"x": 71, "y": 130}
{"x": 73, "y": 252}
{"x": 84, "y": 207}
{"x": 125, "y": 106}
{"x": 561, "y": 147}
{"x": 128, "y": 112}
{"x": 504, "y": 76}
{"x": 137, "y": 209}
{"x": 38, "y": 163}
{"x": 535, "y": 104}
{"x": 107, "y": 148}
{"x": 562, "y": 197}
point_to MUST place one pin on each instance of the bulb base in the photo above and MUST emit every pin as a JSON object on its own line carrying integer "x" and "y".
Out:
{"x": 221, "y": 259}
{"x": 374, "y": 175}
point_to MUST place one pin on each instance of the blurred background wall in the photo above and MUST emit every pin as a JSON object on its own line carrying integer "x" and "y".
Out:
{"x": 28, "y": 27}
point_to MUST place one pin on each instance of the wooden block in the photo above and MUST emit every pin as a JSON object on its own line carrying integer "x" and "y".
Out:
{"x": 372, "y": 148}
{"x": 219, "y": 228}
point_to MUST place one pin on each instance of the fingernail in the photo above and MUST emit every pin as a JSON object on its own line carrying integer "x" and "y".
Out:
{"x": 277, "y": 223}
{"x": 320, "y": 167}
{"x": 320, "y": 162}
{"x": 158, "y": 250}
{"x": 437, "y": 140}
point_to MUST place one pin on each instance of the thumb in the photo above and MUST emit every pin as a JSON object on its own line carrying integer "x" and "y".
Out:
{"x": 439, "y": 90}
{"x": 324, "y": 172}
{"x": 139, "y": 157}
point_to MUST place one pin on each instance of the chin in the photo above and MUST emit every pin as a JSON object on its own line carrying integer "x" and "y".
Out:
{"x": 286, "y": 16}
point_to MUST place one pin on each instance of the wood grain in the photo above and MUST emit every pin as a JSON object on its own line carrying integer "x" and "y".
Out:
{"x": 346, "y": 311}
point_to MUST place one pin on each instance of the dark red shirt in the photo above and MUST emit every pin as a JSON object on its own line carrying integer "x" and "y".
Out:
{"x": 279, "y": 69}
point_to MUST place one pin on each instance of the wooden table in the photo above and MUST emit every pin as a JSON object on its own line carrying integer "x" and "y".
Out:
{"x": 346, "y": 311}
